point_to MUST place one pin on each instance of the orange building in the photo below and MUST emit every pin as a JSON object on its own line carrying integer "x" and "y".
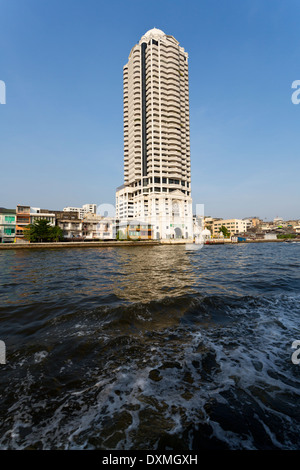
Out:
{"x": 22, "y": 221}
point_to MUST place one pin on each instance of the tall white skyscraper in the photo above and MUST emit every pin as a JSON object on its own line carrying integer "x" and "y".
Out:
{"x": 157, "y": 173}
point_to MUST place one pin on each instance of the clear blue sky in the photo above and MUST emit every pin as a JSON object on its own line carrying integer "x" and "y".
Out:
{"x": 61, "y": 129}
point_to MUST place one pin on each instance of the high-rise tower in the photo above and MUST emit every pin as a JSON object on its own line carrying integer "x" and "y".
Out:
{"x": 157, "y": 173}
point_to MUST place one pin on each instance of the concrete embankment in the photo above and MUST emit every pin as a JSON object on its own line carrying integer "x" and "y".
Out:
{"x": 262, "y": 240}
{"x": 30, "y": 246}
{"x": 258, "y": 240}
{"x": 115, "y": 243}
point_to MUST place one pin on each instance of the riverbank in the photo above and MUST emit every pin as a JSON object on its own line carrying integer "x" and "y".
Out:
{"x": 112, "y": 243}
{"x": 115, "y": 243}
{"x": 258, "y": 240}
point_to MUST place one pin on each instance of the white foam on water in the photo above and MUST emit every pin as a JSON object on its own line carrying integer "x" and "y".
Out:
{"x": 40, "y": 356}
{"x": 245, "y": 354}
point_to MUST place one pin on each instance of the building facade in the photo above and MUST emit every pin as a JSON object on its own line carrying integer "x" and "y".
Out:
{"x": 234, "y": 226}
{"x": 7, "y": 225}
{"x": 157, "y": 173}
{"x": 82, "y": 211}
{"x": 70, "y": 223}
{"x": 22, "y": 222}
{"x": 97, "y": 227}
{"x": 37, "y": 214}
{"x": 106, "y": 229}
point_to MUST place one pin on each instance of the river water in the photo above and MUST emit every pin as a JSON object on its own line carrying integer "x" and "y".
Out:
{"x": 156, "y": 348}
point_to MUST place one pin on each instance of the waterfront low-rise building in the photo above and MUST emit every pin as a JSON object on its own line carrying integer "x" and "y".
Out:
{"x": 106, "y": 229}
{"x": 249, "y": 223}
{"x": 70, "y": 224}
{"x": 7, "y": 225}
{"x": 270, "y": 236}
{"x": 234, "y": 226}
{"x": 22, "y": 222}
{"x": 89, "y": 226}
{"x": 134, "y": 229}
{"x": 26, "y": 215}
{"x": 278, "y": 221}
{"x": 97, "y": 227}
{"x": 37, "y": 214}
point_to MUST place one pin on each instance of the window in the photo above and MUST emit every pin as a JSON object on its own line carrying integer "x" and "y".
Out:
{"x": 23, "y": 220}
{"x": 9, "y": 231}
{"x": 9, "y": 218}
{"x": 156, "y": 179}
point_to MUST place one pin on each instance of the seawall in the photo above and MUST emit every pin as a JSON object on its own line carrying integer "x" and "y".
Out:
{"x": 112, "y": 243}
{"x": 30, "y": 246}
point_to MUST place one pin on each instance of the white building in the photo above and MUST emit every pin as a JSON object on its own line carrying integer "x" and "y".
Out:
{"x": 37, "y": 214}
{"x": 82, "y": 211}
{"x": 249, "y": 224}
{"x": 97, "y": 227}
{"x": 106, "y": 229}
{"x": 278, "y": 221}
{"x": 270, "y": 236}
{"x": 89, "y": 208}
{"x": 157, "y": 173}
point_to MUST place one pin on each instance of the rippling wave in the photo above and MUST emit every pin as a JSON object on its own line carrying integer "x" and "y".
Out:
{"x": 152, "y": 348}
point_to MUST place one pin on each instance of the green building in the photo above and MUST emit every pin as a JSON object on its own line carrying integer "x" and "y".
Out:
{"x": 7, "y": 225}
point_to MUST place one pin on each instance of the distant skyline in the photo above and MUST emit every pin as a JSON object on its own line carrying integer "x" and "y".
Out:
{"x": 61, "y": 129}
